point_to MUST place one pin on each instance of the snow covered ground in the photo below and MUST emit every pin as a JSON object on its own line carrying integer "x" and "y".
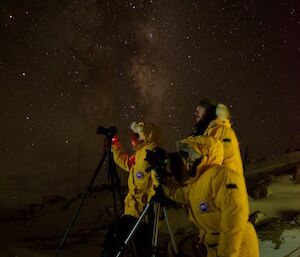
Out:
{"x": 283, "y": 198}
{"x": 39, "y": 231}
{"x": 290, "y": 245}
{"x": 282, "y": 201}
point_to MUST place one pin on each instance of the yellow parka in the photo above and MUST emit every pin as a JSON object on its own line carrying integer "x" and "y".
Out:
{"x": 221, "y": 129}
{"x": 209, "y": 148}
{"x": 217, "y": 204}
{"x": 140, "y": 183}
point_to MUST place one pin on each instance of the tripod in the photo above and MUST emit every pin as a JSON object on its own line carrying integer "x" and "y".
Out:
{"x": 115, "y": 182}
{"x": 157, "y": 204}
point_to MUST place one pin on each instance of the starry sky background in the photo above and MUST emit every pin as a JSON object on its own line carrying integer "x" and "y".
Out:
{"x": 68, "y": 66}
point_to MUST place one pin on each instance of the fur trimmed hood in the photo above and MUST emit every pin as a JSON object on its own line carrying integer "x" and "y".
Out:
{"x": 208, "y": 150}
{"x": 147, "y": 131}
{"x": 223, "y": 112}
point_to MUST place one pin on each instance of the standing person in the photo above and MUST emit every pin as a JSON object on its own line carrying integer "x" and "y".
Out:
{"x": 216, "y": 200}
{"x": 140, "y": 187}
{"x": 213, "y": 119}
{"x": 205, "y": 113}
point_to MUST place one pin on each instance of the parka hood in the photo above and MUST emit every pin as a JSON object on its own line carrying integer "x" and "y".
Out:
{"x": 208, "y": 149}
{"x": 223, "y": 117}
{"x": 148, "y": 132}
{"x": 223, "y": 112}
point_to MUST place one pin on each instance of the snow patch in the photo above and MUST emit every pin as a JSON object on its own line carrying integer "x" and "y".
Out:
{"x": 290, "y": 245}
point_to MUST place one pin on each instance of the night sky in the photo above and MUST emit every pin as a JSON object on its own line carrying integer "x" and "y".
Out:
{"x": 68, "y": 66}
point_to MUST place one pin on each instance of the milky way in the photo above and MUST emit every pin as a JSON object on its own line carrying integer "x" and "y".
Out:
{"x": 68, "y": 66}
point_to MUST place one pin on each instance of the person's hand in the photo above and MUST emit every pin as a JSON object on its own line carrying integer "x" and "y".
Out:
{"x": 114, "y": 140}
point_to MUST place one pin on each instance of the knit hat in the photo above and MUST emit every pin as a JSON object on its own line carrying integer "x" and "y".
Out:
{"x": 208, "y": 103}
{"x": 210, "y": 114}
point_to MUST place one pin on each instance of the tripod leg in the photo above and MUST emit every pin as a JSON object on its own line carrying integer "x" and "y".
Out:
{"x": 134, "y": 229}
{"x": 114, "y": 182}
{"x": 81, "y": 204}
{"x": 170, "y": 231}
{"x": 70, "y": 226}
{"x": 157, "y": 209}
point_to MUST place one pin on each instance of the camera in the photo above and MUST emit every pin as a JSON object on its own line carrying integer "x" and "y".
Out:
{"x": 167, "y": 164}
{"x": 110, "y": 132}
{"x": 157, "y": 160}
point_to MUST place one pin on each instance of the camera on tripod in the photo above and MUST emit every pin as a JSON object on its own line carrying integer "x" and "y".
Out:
{"x": 157, "y": 160}
{"x": 110, "y": 132}
{"x": 107, "y": 156}
{"x": 167, "y": 164}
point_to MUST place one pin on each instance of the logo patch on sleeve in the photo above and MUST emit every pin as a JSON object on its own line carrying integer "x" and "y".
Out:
{"x": 139, "y": 175}
{"x": 203, "y": 206}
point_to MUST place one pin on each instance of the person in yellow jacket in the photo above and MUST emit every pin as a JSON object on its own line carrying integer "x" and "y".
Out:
{"x": 213, "y": 119}
{"x": 140, "y": 185}
{"x": 216, "y": 200}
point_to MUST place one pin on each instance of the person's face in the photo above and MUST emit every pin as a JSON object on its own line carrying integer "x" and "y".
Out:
{"x": 200, "y": 112}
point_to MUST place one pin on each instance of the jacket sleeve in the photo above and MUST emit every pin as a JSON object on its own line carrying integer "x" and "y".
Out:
{"x": 121, "y": 158}
{"x": 201, "y": 140}
{"x": 231, "y": 198}
{"x": 190, "y": 140}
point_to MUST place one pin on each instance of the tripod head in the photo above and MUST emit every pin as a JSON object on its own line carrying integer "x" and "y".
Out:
{"x": 157, "y": 160}
{"x": 109, "y": 132}
{"x": 112, "y": 175}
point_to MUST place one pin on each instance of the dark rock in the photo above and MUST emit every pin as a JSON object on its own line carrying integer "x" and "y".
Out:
{"x": 297, "y": 219}
{"x": 296, "y": 175}
{"x": 258, "y": 191}
{"x": 35, "y": 209}
{"x": 258, "y": 219}
{"x": 52, "y": 199}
